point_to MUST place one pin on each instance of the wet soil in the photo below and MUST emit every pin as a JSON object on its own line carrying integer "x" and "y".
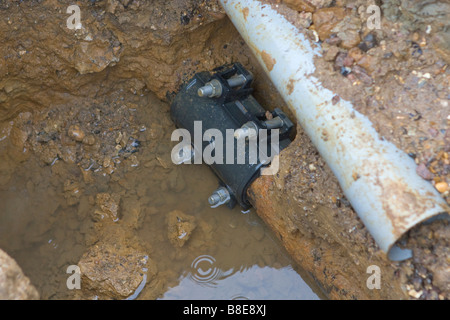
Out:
{"x": 96, "y": 188}
{"x": 397, "y": 76}
{"x": 86, "y": 174}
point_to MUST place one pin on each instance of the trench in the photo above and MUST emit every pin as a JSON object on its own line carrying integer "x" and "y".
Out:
{"x": 86, "y": 177}
{"x": 51, "y": 213}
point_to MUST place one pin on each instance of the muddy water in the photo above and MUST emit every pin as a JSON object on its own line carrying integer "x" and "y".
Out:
{"x": 50, "y": 210}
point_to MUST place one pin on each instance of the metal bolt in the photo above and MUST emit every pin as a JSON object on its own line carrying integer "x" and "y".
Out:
{"x": 214, "y": 199}
{"x": 219, "y": 197}
{"x": 274, "y": 123}
{"x": 236, "y": 81}
{"x": 249, "y": 129}
{"x": 211, "y": 89}
{"x": 206, "y": 91}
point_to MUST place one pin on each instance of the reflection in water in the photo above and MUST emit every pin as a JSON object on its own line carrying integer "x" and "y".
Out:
{"x": 256, "y": 282}
{"x": 139, "y": 288}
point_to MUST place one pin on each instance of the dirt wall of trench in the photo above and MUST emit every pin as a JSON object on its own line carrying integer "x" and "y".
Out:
{"x": 148, "y": 47}
{"x": 397, "y": 76}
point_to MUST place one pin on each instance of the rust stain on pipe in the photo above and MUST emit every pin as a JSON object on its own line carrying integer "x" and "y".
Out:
{"x": 245, "y": 13}
{"x": 268, "y": 60}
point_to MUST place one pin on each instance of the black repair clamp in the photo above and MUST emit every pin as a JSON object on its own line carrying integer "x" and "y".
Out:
{"x": 222, "y": 101}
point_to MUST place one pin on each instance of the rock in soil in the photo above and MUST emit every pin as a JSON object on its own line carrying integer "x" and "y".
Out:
{"x": 14, "y": 285}
{"x": 109, "y": 206}
{"x": 114, "y": 268}
{"x": 180, "y": 227}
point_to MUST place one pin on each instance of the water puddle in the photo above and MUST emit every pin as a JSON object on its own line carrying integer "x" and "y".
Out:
{"x": 92, "y": 184}
{"x": 244, "y": 283}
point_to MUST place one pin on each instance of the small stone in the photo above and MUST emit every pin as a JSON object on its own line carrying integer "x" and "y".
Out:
{"x": 89, "y": 140}
{"x": 415, "y": 294}
{"x": 348, "y": 31}
{"x": 350, "y": 38}
{"x": 119, "y": 137}
{"x": 109, "y": 205}
{"x": 110, "y": 170}
{"x": 442, "y": 186}
{"x": 369, "y": 63}
{"x": 180, "y": 227}
{"x": 114, "y": 269}
{"x": 76, "y": 133}
{"x": 14, "y": 285}
{"x": 348, "y": 61}
{"x": 106, "y": 162}
{"x": 441, "y": 277}
{"x": 345, "y": 71}
{"x": 362, "y": 75}
{"x": 339, "y": 62}
{"x": 331, "y": 53}
{"x": 368, "y": 42}
{"x": 72, "y": 192}
{"x": 355, "y": 53}
{"x": 350, "y": 76}
{"x": 326, "y": 19}
{"x": 18, "y": 137}
{"x": 87, "y": 176}
{"x": 134, "y": 162}
{"x": 423, "y": 171}
{"x": 417, "y": 283}
{"x": 321, "y": 3}
{"x": 299, "y": 5}
{"x": 123, "y": 141}
{"x": 305, "y": 19}
{"x": 335, "y": 100}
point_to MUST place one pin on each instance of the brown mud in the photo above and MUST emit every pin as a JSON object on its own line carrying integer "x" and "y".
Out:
{"x": 96, "y": 188}
{"x": 82, "y": 130}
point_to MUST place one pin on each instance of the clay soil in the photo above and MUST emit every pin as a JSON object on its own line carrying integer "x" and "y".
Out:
{"x": 398, "y": 76}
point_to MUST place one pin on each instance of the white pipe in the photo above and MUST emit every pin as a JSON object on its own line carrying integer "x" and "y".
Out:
{"x": 379, "y": 180}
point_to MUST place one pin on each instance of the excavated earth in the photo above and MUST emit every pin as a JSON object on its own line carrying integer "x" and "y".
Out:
{"x": 72, "y": 106}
